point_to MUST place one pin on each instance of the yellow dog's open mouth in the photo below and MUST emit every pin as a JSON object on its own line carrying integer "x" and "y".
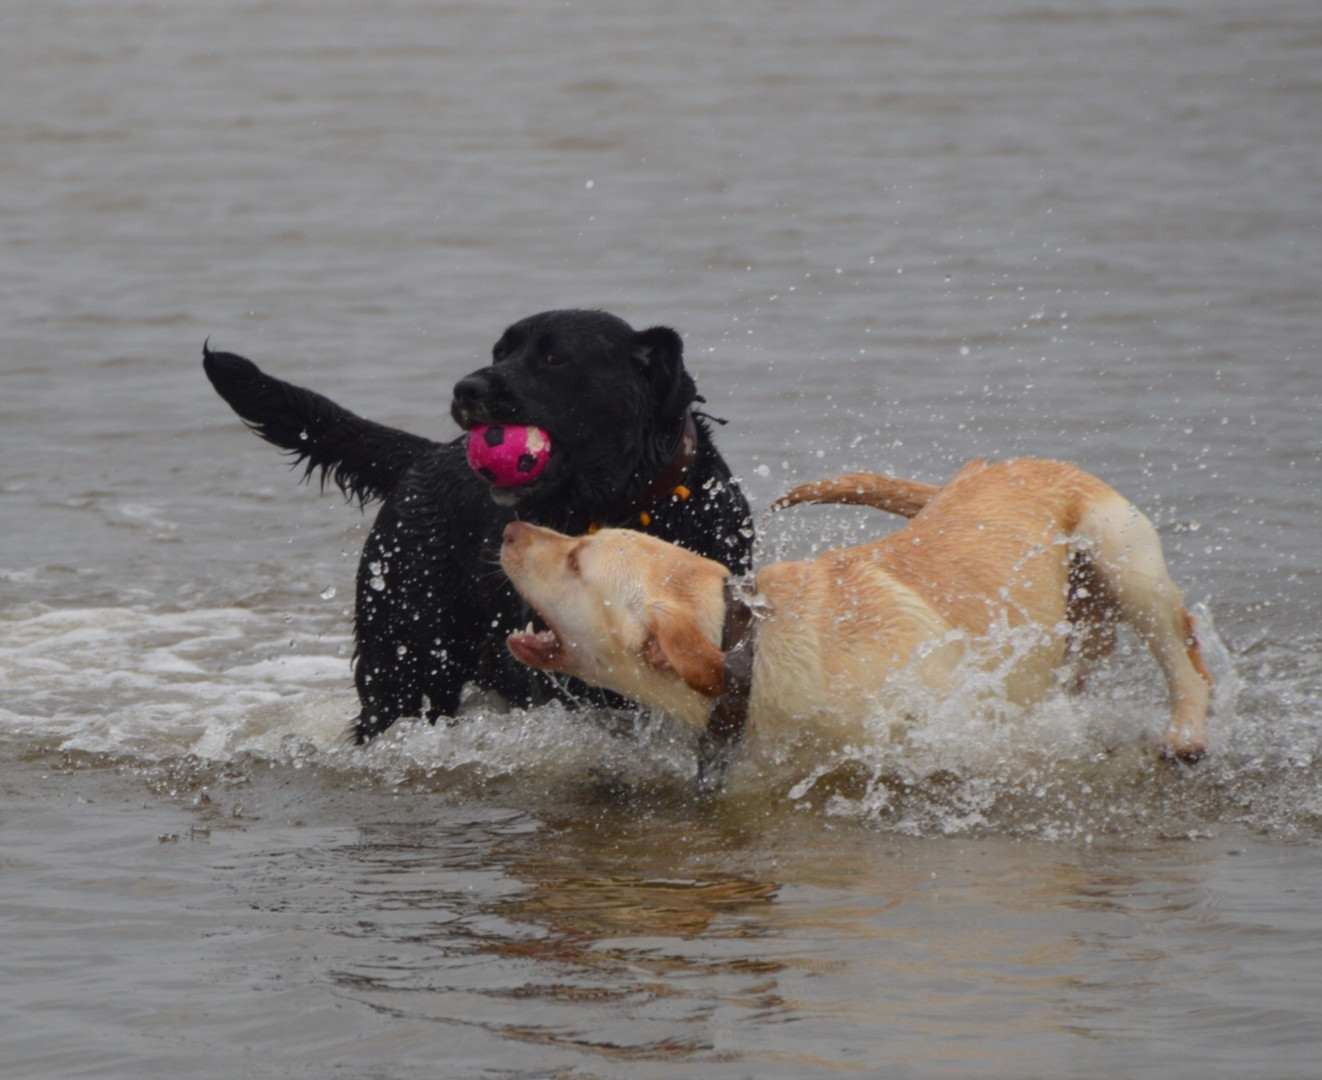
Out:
{"x": 536, "y": 648}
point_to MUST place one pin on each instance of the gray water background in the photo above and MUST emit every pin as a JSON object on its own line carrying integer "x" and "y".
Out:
{"x": 894, "y": 236}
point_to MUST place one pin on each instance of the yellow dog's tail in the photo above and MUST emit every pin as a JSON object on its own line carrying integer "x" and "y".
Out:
{"x": 889, "y": 493}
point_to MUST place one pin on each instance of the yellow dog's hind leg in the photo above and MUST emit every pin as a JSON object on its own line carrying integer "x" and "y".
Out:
{"x": 1124, "y": 551}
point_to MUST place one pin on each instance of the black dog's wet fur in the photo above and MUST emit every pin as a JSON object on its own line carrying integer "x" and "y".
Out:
{"x": 433, "y": 608}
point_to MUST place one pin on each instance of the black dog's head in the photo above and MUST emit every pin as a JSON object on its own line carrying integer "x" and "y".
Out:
{"x": 613, "y": 400}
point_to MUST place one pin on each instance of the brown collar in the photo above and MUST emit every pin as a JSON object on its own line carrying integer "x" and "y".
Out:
{"x": 738, "y": 642}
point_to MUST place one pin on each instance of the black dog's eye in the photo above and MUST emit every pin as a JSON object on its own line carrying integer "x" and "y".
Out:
{"x": 551, "y": 360}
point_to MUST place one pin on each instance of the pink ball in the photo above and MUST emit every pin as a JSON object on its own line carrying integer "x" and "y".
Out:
{"x": 507, "y": 455}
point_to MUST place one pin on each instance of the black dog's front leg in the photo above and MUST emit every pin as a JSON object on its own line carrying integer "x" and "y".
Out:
{"x": 401, "y": 674}
{"x": 413, "y": 656}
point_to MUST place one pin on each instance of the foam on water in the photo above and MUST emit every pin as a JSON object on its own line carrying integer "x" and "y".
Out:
{"x": 226, "y": 684}
{"x": 151, "y": 685}
{"x": 230, "y": 688}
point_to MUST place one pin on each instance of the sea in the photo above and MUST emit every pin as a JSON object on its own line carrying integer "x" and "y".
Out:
{"x": 894, "y": 236}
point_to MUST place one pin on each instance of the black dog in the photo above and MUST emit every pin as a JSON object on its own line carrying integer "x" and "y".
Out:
{"x": 433, "y": 607}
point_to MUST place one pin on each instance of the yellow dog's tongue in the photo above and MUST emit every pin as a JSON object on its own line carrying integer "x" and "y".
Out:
{"x": 536, "y": 648}
{"x": 508, "y": 455}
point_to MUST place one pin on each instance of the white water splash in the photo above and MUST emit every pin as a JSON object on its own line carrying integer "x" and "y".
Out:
{"x": 233, "y": 689}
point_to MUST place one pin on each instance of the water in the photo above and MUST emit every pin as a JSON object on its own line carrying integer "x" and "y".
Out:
{"x": 893, "y": 237}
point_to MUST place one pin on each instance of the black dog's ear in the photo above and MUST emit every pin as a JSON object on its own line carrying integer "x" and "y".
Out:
{"x": 660, "y": 353}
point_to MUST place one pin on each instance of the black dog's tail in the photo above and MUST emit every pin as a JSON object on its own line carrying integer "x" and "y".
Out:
{"x": 364, "y": 459}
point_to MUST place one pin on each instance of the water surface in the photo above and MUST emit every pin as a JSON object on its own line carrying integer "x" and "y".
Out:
{"x": 893, "y": 237}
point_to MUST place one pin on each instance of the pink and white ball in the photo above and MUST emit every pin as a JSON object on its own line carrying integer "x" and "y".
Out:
{"x": 508, "y": 455}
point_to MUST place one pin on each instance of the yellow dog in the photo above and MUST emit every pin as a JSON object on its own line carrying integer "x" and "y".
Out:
{"x": 1022, "y": 567}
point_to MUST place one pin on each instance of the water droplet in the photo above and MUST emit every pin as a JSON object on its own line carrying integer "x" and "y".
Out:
{"x": 328, "y": 593}
{"x": 378, "y": 583}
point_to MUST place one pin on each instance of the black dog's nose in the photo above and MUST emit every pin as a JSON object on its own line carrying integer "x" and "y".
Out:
{"x": 471, "y": 396}
{"x": 469, "y": 390}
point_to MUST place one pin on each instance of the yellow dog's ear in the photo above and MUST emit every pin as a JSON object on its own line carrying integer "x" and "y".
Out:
{"x": 676, "y": 644}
